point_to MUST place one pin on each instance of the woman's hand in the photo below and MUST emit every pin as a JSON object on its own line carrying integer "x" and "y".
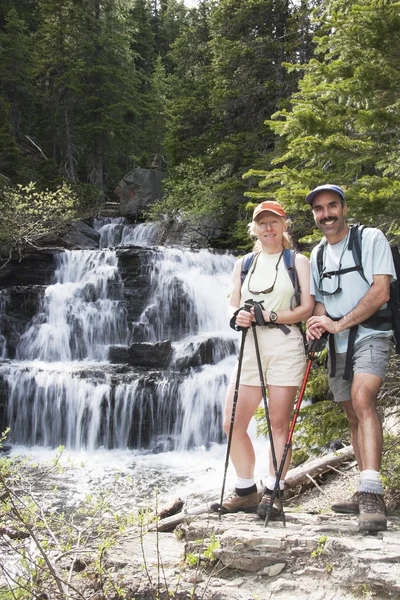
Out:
{"x": 244, "y": 318}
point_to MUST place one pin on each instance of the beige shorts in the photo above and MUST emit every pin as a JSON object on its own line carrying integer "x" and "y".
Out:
{"x": 282, "y": 358}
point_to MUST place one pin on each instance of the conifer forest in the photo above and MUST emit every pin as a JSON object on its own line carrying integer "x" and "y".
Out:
{"x": 234, "y": 100}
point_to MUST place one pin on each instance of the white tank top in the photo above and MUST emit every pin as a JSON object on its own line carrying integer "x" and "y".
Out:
{"x": 264, "y": 267}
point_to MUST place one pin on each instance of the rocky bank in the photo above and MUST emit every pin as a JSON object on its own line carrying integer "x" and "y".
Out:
{"x": 318, "y": 555}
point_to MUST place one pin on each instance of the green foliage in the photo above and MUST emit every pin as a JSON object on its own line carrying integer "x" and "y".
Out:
{"x": 27, "y": 213}
{"x": 391, "y": 463}
{"x": 320, "y": 549}
{"x": 319, "y": 424}
{"x": 343, "y": 122}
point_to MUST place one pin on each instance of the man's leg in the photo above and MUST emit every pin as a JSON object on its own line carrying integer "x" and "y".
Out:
{"x": 370, "y": 363}
{"x": 368, "y": 426}
{"x": 353, "y": 422}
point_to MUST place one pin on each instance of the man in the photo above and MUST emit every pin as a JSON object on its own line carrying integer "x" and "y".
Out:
{"x": 345, "y": 299}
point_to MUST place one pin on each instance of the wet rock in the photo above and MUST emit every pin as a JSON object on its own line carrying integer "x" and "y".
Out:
{"x": 76, "y": 236}
{"x": 35, "y": 267}
{"x": 207, "y": 351}
{"x": 152, "y": 355}
{"x": 118, "y": 354}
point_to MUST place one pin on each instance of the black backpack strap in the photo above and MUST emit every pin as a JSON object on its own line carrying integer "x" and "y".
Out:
{"x": 247, "y": 261}
{"x": 320, "y": 256}
{"x": 289, "y": 258}
{"x": 348, "y": 366}
{"x": 355, "y": 239}
{"x": 332, "y": 354}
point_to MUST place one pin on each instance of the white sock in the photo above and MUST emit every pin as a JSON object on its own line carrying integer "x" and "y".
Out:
{"x": 242, "y": 483}
{"x": 271, "y": 481}
{"x": 370, "y": 482}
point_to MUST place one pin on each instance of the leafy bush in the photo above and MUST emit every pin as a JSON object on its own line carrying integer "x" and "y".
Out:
{"x": 27, "y": 213}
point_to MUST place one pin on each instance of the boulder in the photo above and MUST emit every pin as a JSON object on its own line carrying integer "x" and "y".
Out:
{"x": 118, "y": 354}
{"x": 77, "y": 236}
{"x": 151, "y": 355}
{"x": 139, "y": 188}
{"x": 34, "y": 267}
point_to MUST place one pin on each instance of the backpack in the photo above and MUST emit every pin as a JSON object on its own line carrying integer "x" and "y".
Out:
{"x": 384, "y": 318}
{"x": 289, "y": 257}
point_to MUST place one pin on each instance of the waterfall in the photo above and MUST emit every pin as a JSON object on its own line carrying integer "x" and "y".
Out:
{"x": 188, "y": 294}
{"x": 116, "y": 232}
{"x": 81, "y": 313}
{"x": 3, "y": 304}
{"x": 62, "y": 389}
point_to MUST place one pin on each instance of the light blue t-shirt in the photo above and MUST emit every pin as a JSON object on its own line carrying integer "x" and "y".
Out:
{"x": 376, "y": 259}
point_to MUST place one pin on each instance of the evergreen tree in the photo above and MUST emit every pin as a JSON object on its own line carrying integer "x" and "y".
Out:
{"x": 189, "y": 123}
{"x": 86, "y": 73}
{"x": 343, "y": 125}
{"x": 17, "y": 148}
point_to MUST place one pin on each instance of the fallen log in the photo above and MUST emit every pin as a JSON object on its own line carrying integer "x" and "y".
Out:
{"x": 170, "y": 523}
{"x": 294, "y": 478}
{"x": 316, "y": 467}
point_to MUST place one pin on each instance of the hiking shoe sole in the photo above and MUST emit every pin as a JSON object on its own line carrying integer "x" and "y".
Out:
{"x": 221, "y": 509}
{"x": 348, "y": 507}
{"x": 371, "y": 525}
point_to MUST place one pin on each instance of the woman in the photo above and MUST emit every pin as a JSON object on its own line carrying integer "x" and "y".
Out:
{"x": 282, "y": 355}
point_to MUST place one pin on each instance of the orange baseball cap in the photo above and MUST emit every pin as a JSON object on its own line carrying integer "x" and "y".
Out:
{"x": 271, "y": 206}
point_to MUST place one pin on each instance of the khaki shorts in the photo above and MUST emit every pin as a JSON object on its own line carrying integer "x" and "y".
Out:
{"x": 282, "y": 358}
{"x": 371, "y": 356}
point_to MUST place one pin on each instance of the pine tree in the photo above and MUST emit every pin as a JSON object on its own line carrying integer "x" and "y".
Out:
{"x": 17, "y": 148}
{"x": 189, "y": 124}
{"x": 86, "y": 73}
{"x": 343, "y": 125}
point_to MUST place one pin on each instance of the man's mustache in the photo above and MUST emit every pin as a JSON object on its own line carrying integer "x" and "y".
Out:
{"x": 323, "y": 221}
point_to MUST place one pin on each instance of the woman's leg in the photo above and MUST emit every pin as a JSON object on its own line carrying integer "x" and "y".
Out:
{"x": 281, "y": 403}
{"x": 242, "y": 451}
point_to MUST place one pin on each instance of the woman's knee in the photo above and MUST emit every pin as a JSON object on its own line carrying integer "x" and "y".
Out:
{"x": 279, "y": 426}
{"x": 239, "y": 426}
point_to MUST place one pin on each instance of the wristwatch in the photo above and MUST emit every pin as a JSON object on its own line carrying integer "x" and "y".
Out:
{"x": 273, "y": 317}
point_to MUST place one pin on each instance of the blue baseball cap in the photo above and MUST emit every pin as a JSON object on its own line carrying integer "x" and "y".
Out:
{"x": 327, "y": 186}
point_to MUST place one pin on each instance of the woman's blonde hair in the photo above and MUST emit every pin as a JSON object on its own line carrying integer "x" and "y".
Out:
{"x": 286, "y": 242}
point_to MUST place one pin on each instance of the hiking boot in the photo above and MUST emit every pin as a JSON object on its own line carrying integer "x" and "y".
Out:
{"x": 348, "y": 507}
{"x": 373, "y": 513}
{"x": 235, "y": 503}
{"x": 263, "y": 507}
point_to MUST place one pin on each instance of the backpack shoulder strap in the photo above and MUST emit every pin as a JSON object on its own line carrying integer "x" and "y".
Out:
{"x": 320, "y": 256}
{"x": 247, "y": 261}
{"x": 289, "y": 258}
{"x": 355, "y": 241}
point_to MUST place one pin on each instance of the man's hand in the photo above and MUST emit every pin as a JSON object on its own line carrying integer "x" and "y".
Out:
{"x": 317, "y": 326}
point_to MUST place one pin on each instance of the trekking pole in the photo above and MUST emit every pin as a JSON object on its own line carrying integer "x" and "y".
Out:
{"x": 234, "y": 404}
{"x": 314, "y": 347}
{"x": 271, "y": 440}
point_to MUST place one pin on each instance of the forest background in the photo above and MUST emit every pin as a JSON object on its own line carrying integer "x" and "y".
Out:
{"x": 235, "y": 101}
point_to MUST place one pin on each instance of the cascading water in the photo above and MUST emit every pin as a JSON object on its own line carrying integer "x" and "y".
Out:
{"x": 61, "y": 387}
{"x": 81, "y": 314}
{"x": 3, "y": 304}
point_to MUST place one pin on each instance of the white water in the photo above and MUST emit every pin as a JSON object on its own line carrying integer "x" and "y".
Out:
{"x": 61, "y": 390}
{"x": 117, "y": 232}
{"x": 78, "y": 319}
{"x": 3, "y": 305}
